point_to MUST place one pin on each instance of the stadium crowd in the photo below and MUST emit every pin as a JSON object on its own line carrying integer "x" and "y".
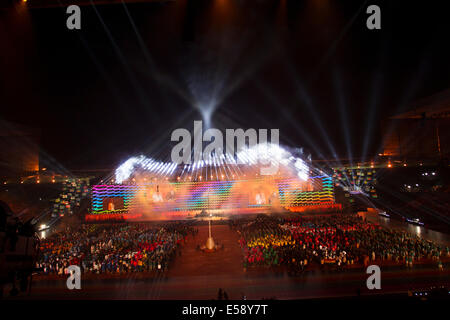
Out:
{"x": 112, "y": 248}
{"x": 341, "y": 240}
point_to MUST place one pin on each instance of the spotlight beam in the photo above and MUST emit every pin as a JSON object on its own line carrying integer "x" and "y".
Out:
{"x": 339, "y": 90}
{"x": 136, "y": 85}
{"x": 160, "y": 78}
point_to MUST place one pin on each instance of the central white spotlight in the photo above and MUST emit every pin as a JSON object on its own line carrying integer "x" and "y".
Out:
{"x": 207, "y": 111}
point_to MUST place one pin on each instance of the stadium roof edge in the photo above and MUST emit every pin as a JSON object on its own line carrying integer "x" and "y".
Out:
{"x": 434, "y": 106}
{"x": 37, "y": 4}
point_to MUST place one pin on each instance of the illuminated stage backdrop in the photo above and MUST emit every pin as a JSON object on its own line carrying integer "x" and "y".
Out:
{"x": 154, "y": 200}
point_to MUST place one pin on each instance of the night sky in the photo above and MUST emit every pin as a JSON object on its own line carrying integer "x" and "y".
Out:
{"x": 310, "y": 68}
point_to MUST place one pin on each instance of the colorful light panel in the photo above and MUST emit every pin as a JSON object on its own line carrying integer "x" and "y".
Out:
{"x": 263, "y": 192}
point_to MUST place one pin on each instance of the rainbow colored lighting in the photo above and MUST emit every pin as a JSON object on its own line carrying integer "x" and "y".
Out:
{"x": 181, "y": 197}
{"x": 292, "y": 197}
